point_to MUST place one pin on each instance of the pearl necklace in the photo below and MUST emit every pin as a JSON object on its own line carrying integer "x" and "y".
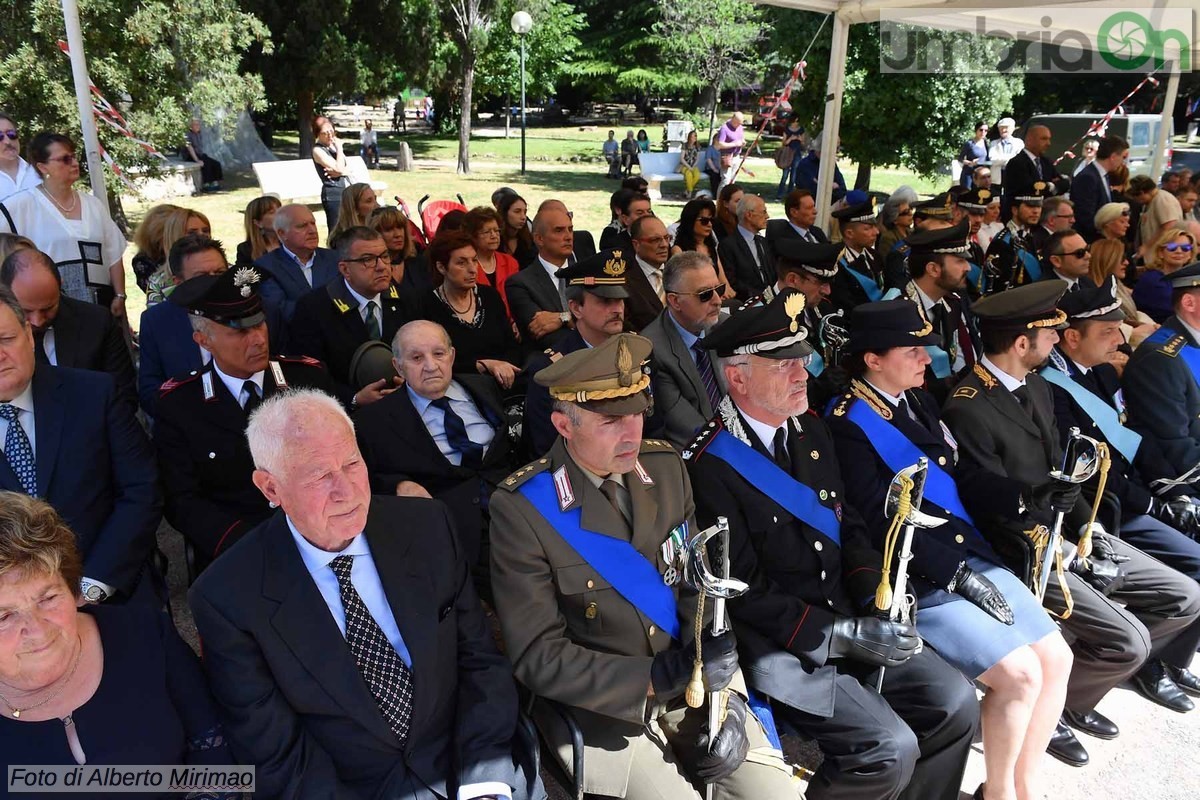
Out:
{"x": 53, "y": 199}
{"x": 17, "y": 712}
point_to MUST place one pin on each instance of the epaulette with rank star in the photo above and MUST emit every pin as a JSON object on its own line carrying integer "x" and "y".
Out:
{"x": 1173, "y": 346}
{"x": 702, "y": 440}
{"x": 656, "y": 446}
{"x": 174, "y": 383}
{"x": 514, "y": 481}
{"x": 842, "y": 406}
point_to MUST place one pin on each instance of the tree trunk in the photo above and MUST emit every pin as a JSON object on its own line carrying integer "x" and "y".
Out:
{"x": 862, "y": 181}
{"x": 464, "y": 114}
{"x": 305, "y": 112}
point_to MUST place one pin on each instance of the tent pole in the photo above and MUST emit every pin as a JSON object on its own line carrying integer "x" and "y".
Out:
{"x": 1164, "y": 128}
{"x": 833, "y": 118}
{"x": 83, "y": 94}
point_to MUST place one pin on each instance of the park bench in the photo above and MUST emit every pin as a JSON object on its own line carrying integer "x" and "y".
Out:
{"x": 296, "y": 180}
{"x": 656, "y": 168}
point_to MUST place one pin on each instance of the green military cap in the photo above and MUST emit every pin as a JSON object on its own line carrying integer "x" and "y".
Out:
{"x": 1034, "y": 305}
{"x": 1186, "y": 278}
{"x": 609, "y": 379}
{"x": 939, "y": 241}
{"x": 940, "y": 206}
{"x": 771, "y": 331}
{"x": 230, "y": 298}
{"x": 602, "y": 274}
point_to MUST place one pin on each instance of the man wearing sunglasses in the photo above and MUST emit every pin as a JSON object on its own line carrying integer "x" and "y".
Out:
{"x": 16, "y": 175}
{"x": 687, "y": 382}
{"x": 1068, "y": 256}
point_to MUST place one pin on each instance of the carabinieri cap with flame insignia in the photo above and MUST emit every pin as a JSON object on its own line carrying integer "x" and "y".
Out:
{"x": 775, "y": 330}
{"x": 230, "y": 298}
{"x": 1098, "y": 305}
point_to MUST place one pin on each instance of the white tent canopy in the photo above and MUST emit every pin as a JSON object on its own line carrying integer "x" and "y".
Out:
{"x": 1013, "y": 15}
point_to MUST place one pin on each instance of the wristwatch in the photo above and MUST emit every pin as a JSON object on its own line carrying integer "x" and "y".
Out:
{"x": 93, "y": 593}
{"x": 122, "y": 296}
{"x": 564, "y": 317}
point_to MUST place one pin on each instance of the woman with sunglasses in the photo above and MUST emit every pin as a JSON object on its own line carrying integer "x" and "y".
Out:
{"x": 973, "y": 153}
{"x": 695, "y": 233}
{"x": 72, "y": 227}
{"x": 1174, "y": 249}
{"x": 16, "y": 175}
{"x": 1109, "y": 258}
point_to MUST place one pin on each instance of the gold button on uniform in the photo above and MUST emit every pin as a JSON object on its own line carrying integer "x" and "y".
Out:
{"x": 591, "y": 584}
{"x": 653, "y": 630}
{"x": 942, "y": 460}
{"x": 959, "y": 538}
{"x": 591, "y": 611}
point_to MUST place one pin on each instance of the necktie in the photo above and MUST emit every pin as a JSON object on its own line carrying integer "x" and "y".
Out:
{"x": 386, "y": 674}
{"x": 39, "y": 347}
{"x": 18, "y": 450}
{"x": 252, "y": 400}
{"x": 456, "y": 435}
{"x": 612, "y": 490}
{"x": 705, "y": 368}
{"x": 903, "y": 409}
{"x": 657, "y": 280}
{"x": 782, "y": 457}
{"x": 763, "y": 266}
{"x": 372, "y": 321}
{"x": 1022, "y": 395}
{"x": 1037, "y": 164}
{"x": 937, "y": 317}
{"x": 809, "y": 237}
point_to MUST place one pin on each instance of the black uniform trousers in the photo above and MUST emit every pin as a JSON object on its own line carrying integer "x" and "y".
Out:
{"x": 910, "y": 742}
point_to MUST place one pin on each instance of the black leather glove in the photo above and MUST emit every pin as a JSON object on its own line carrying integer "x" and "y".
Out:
{"x": 1103, "y": 575}
{"x": 1179, "y": 512}
{"x": 982, "y": 592}
{"x": 728, "y": 750}
{"x": 1061, "y": 496}
{"x": 1102, "y": 545}
{"x": 881, "y": 642}
{"x": 672, "y": 669}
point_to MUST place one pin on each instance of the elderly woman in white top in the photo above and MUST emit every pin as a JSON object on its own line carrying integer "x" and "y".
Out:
{"x": 15, "y": 173}
{"x": 72, "y": 227}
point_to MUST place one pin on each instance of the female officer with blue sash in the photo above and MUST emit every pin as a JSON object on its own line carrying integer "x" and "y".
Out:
{"x": 974, "y": 612}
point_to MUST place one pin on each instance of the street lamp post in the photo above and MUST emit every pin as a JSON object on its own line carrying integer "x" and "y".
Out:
{"x": 522, "y": 24}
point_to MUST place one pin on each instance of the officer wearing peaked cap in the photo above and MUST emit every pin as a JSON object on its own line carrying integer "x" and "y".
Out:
{"x": 934, "y": 213}
{"x": 860, "y": 269}
{"x": 586, "y": 545}
{"x": 200, "y": 418}
{"x": 975, "y": 203}
{"x": 806, "y": 623}
{"x": 1011, "y": 259}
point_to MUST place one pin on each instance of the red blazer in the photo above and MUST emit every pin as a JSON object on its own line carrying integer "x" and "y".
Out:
{"x": 506, "y": 265}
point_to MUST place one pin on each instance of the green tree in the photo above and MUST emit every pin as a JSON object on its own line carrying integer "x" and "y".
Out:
{"x": 917, "y": 121}
{"x": 157, "y": 61}
{"x": 549, "y": 48}
{"x": 621, "y": 53}
{"x": 469, "y": 23}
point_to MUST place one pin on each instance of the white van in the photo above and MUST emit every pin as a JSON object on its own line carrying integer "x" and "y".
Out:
{"x": 1140, "y": 130}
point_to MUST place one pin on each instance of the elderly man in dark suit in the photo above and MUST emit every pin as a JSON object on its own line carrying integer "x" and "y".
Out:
{"x": 70, "y": 440}
{"x": 297, "y": 266}
{"x": 800, "y": 221}
{"x": 67, "y": 332}
{"x": 644, "y": 280}
{"x": 342, "y": 637}
{"x": 535, "y": 295}
{"x": 442, "y": 436}
{"x": 687, "y": 384}
{"x": 165, "y": 341}
{"x": 745, "y": 254}
{"x": 362, "y": 305}
{"x": 1090, "y": 189}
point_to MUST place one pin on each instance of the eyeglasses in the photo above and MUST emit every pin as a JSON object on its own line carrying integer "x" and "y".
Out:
{"x": 656, "y": 240}
{"x": 905, "y": 213}
{"x": 785, "y": 365}
{"x": 704, "y": 295}
{"x": 1171, "y": 247}
{"x": 12, "y": 135}
{"x": 69, "y": 158}
{"x": 369, "y": 260}
{"x": 704, "y": 220}
{"x": 1080, "y": 253}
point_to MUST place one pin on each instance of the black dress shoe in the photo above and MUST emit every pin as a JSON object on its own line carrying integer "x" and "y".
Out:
{"x": 1066, "y": 748}
{"x": 1153, "y": 683}
{"x": 1185, "y": 679}
{"x": 1092, "y": 723}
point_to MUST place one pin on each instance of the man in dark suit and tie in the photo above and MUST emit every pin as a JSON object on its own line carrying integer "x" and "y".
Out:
{"x": 1090, "y": 189}
{"x": 442, "y": 436}
{"x": 1029, "y": 166}
{"x": 644, "y": 281}
{"x": 745, "y": 254}
{"x": 343, "y": 639}
{"x": 362, "y": 305}
{"x": 67, "y": 332}
{"x": 165, "y": 342}
{"x": 800, "y": 208}
{"x": 296, "y": 267}
{"x": 687, "y": 384}
{"x": 1068, "y": 257}
{"x": 69, "y": 439}
{"x": 200, "y": 419}
{"x": 583, "y": 245}
{"x": 629, "y": 205}
{"x": 535, "y": 295}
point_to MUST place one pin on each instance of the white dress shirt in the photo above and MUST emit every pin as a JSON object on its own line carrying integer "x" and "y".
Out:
{"x": 1006, "y": 380}
{"x": 550, "y": 270}
{"x": 479, "y": 430}
{"x": 236, "y": 386}
{"x": 750, "y": 237}
{"x": 362, "y": 305}
{"x": 306, "y": 267}
{"x": 764, "y": 432}
{"x": 23, "y": 403}
{"x": 27, "y": 178}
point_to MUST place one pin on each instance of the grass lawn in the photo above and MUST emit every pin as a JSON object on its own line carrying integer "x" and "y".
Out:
{"x": 495, "y": 161}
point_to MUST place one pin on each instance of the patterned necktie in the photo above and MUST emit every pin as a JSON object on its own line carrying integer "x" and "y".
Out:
{"x": 704, "y": 366}
{"x": 18, "y": 450}
{"x": 456, "y": 435}
{"x": 386, "y": 674}
{"x": 372, "y": 320}
{"x": 253, "y": 401}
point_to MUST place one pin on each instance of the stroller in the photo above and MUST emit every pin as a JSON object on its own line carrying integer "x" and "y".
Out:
{"x": 430, "y": 215}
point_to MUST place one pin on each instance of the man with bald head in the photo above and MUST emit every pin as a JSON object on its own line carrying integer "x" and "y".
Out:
{"x": 585, "y": 243}
{"x": 1030, "y": 166}
{"x": 535, "y": 295}
{"x": 342, "y": 637}
{"x": 294, "y": 268}
{"x": 442, "y": 436}
{"x": 67, "y": 332}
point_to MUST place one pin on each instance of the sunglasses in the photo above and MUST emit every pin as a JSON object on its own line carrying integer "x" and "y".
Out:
{"x": 704, "y": 295}
{"x": 1171, "y": 247}
{"x": 704, "y": 220}
{"x": 69, "y": 158}
{"x": 1080, "y": 253}
{"x": 12, "y": 135}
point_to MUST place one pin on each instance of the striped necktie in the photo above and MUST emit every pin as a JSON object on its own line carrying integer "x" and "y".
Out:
{"x": 705, "y": 368}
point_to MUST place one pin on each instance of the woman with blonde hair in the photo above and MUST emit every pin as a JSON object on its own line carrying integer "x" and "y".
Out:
{"x": 358, "y": 201}
{"x": 408, "y": 270}
{"x": 1174, "y": 249}
{"x": 258, "y": 221}
{"x": 178, "y": 224}
{"x": 148, "y": 237}
{"x": 1109, "y": 258}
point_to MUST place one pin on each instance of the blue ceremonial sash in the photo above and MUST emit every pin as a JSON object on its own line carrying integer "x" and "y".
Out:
{"x": 1105, "y": 416}
{"x": 1189, "y": 354}
{"x": 628, "y": 571}
{"x": 1032, "y": 266}
{"x": 764, "y": 474}
{"x": 898, "y": 453}
{"x": 940, "y": 360}
{"x": 975, "y": 275}
{"x": 874, "y": 293}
